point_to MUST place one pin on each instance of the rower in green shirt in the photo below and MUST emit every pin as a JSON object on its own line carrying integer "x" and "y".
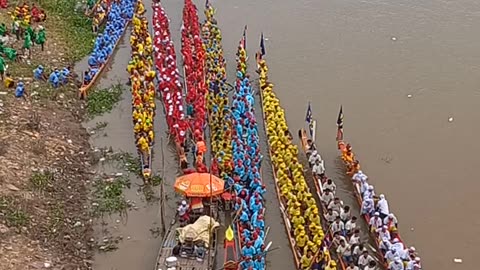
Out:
{"x": 10, "y": 53}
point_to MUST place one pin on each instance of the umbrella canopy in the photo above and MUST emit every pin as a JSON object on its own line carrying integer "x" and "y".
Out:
{"x": 198, "y": 185}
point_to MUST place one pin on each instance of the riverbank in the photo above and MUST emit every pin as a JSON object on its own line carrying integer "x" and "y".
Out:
{"x": 45, "y": 154}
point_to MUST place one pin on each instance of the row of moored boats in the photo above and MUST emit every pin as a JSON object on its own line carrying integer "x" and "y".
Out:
{"x": 214, "y": 129}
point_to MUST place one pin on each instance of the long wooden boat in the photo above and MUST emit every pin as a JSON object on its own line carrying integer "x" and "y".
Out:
{"x": 342, "y": 146}
{"x": 172, "y": 248}
{"x": 145, "y": 157}
{"x": 318, "y": 187}
{"x": 283, "y": 204}
{"x": 231, "y": 256}
{"x": 160, "y": 58}
{"x": 83, "y": 91}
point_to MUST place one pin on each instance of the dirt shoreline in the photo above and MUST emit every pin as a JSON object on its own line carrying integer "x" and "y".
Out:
{"x": 46, "y": 162}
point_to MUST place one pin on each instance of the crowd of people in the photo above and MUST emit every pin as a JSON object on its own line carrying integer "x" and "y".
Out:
{"x": 382, "y": 222}
{"x": 343, "y": 228}
{"x": 142, "y": 76}
{"x": 299, "y": 206}
{"x": 121, "y": 12}
{"x": 194, "y": 60}
{"x": 249, "y": 188}
{"x": 99, "y": 14}
{"x": 168, "y": 77}
{"x": 217, "y": 99}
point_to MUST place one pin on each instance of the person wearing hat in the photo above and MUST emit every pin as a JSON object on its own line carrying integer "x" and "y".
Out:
{"x": 368, "y": 206}
{"x": 382, "y": 207}
{"x": 301, "y": 240}
{"x": 182, "y": 211}
{"x": 306, "y": 260}
{"x": 414, "y": 264}
{"x": 332, "y": 265}
{"x": 375, "y": 222}
{"x": 397, "y": 264}
{"x": 391, "y": 254}
{"x": 390, "y": 221}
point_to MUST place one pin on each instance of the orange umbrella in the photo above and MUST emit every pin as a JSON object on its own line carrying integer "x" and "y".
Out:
{"x": 198, "y": 185}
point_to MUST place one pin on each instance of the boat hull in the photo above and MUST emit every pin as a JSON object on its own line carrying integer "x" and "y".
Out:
{"x": 85, "y": 88}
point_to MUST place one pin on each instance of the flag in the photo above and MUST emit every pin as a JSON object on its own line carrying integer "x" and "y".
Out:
{"x": 309, "y": 119}
{"x": 262, "y": 46}
{"x": 340, "y": 124}
{"x": 244, "y": 38}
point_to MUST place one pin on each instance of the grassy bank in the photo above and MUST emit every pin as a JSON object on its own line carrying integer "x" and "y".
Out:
{"x": 46, "y": 160}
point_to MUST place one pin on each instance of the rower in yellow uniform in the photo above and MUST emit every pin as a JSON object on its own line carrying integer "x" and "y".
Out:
{"x": 306, "y": 260}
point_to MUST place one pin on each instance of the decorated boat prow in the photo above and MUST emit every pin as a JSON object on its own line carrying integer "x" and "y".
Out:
{"x": 230, "y": 260}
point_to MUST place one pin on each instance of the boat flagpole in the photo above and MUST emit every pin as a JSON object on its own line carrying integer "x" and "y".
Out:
{"x": 340, "y": 124}
{"x": 312, "y": 124}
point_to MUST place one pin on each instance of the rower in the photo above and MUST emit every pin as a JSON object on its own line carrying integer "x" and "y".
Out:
{"x": 338, "y": 226}
{"x": 391, "y": 255}
{"x": 398, "y": 245}
{"x": 314, "y": 157}
{"x": 319, "y": 169}
{"x": 390, "y": 221}
{"x": 372, "y": 265}
{"x": 306, "y": 260}
{"x": 329, "y": 185}
{"x": 351, "y": 225}
{"x": 383, "y": 232}
{"x": 332, "y": 265}
{"x": 367, "y": 206}
{"x": 331, "y": 215}
{"x": 396, "y": 265}
{"x": 327, "y": 197}
{"x": 345, "y": 213}
{"x": 336, "y": 205}
{"x": 352, "y": 266}
{"x": 310, "y": 147}
{"x": 355, "y": 238}
{"x": 375, "y": 222}
{"x": 364, "y": 259}
{"x": 414, "y": 263}
{"x": 344, "y": 250}
{"x": 382, "y": 207}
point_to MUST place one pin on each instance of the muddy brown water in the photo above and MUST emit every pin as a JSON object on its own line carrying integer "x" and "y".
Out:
{"x": 368, "y": 56}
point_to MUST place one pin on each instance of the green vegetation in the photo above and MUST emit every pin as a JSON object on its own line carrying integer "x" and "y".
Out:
{"x": 101, "y": 101}
{"x": 156, "y": 180}
{"x": 70, "y": 22}
{"x": 109, "y": 197}
{"x": 41, "y": 181}
{"x": 130, "y": 163}
{"x": 13, "y": 213}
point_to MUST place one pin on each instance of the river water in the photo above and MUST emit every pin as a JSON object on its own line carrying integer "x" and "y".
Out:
{"x": 368, "y": 56}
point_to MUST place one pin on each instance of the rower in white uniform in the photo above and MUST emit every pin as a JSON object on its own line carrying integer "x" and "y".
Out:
{"x": 382, "y": 207}
{"x": 367, "y": 206}
{"x": 375, "y": 222}
{"x": 390, "y": 221}
{"x": 396, "y": 265}
{"x": 329, "y": 185}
